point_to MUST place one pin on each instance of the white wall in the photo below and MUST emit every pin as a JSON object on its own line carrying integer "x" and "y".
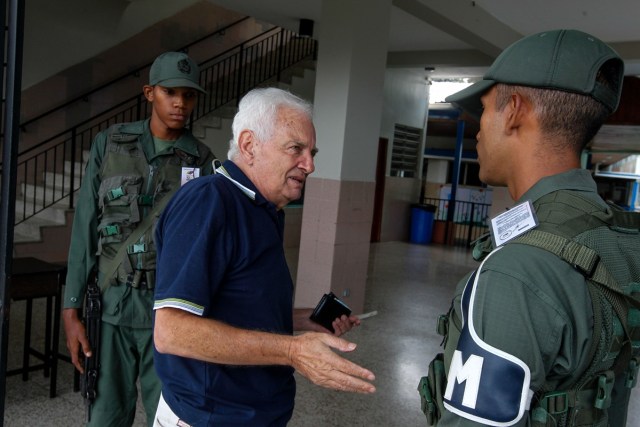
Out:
{"x": 59, "y": 34}
{"x": 405, "y": 102}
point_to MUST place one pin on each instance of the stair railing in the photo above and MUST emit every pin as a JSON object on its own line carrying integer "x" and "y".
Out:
{"x": 226, "y": 77}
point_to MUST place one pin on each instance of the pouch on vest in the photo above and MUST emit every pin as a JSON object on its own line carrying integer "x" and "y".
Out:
{"x": 112, "y": 298}
{"x": 118, "y": 199}
{"x": 431, "y": 389}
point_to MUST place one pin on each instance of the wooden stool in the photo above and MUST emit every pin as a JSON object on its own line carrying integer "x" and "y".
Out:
{"x": 34, "y": 278}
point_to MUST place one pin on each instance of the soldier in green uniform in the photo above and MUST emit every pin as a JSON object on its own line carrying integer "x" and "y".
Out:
{"x": 133, "y": 169}
{"x": 543, "y": 332}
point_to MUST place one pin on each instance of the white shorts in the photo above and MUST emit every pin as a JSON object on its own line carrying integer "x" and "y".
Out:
{"x": 165, "y": 417}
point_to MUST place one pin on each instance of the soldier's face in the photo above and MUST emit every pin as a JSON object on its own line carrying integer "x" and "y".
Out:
{"x": 493, "y": 149}
{"x": 172, "y": 107}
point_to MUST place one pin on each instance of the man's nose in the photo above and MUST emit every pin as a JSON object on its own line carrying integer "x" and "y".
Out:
{"x": 307, "y": 164}
{"x": 180, "y": 101}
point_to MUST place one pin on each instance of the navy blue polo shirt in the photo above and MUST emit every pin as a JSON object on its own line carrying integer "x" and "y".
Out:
{"x": 221, "y": 256}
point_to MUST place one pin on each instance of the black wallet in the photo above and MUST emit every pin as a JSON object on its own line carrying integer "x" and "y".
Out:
{"x": 329, "y": 309}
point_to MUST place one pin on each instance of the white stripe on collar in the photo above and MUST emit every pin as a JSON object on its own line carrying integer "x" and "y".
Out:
{"x": 249, "y": 193}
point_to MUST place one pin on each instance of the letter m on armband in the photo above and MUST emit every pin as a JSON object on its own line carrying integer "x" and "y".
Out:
{"x": 466, "y": 375}
{"x": 485, "y": 384}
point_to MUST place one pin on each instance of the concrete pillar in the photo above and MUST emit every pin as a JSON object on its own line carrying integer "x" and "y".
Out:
{"x": 338, "y": 206}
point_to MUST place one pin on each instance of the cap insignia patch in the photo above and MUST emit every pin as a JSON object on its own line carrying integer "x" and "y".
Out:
{"x": 184, "y": 66}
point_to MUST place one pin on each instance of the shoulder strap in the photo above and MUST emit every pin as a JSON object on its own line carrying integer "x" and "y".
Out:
{"x": 587, "y": 262}
{"x": 133, "y": 237}
{"x": 116, "y": 135}
{"x": 581, "y": 257}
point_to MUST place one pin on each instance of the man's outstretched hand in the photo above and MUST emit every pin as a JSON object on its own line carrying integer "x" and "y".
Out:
{"x": 311, "y": 356}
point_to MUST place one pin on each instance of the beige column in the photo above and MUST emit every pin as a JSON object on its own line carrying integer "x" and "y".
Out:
{"x": 338, "y": 206}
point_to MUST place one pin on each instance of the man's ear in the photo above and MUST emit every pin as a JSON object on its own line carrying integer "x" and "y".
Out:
{"x": 148, "y": 92}
{"x": 517, "y": 112}
{"x": 246, "y": 143}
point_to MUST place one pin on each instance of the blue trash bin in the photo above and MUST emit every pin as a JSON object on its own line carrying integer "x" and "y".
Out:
{"x": 422, "y": 223}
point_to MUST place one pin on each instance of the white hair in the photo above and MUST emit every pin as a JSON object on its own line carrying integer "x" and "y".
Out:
{"x": 258, "y": 112}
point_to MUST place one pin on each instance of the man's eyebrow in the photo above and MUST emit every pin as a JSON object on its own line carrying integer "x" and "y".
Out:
{"x": 314, "y": 150}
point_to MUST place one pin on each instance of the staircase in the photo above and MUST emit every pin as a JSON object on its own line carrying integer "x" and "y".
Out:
{"x": 215, "y": 129}
{"x": 46, "y": 234}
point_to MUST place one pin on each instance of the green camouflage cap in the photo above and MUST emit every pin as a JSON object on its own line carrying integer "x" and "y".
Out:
{"x": 175, "y": 69}
{"x": 567, "y": 60}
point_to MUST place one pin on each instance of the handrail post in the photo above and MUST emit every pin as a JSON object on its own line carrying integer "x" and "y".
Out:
{"x": 72, "y": 174}
{"x": 280, "y": 51}
{"x": 472, "y": 214}
{"x": 139, "y": 108}
{"x": 239, "y": 73}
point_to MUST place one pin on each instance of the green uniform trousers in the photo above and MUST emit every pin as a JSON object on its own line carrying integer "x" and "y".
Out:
{"x": 126, "y": 355}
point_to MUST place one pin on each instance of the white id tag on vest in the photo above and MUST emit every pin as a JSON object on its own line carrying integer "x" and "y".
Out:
{"x": 188, "y": 174}
{"x": 512, "y": 223}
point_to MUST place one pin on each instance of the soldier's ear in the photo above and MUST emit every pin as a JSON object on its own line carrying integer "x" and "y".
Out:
{"x": 518, "y": 112}
{"x": 147, "y": 90}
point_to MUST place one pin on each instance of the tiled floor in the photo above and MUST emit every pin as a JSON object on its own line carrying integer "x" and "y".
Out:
{"x": 409, "y": 285}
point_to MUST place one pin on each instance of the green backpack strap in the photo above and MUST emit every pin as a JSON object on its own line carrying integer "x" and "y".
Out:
{"x": 624, "y": 219}
{"x": 581, "y": 257}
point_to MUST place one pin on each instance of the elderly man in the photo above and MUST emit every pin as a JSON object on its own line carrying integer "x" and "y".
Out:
{"x": 224, "y": 313}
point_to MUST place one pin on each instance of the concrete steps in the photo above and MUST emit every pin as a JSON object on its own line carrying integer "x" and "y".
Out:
{"x": 47, "y": 232}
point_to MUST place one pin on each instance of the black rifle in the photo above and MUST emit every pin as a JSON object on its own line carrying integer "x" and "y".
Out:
{"x": 93, "y": 311}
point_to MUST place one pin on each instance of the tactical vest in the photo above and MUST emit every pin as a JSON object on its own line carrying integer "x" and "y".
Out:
{"x": 604, "y": 246}
{"x": 130, "y": 189}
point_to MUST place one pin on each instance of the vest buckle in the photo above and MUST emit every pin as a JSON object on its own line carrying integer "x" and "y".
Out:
{"x": 110, "y": 230}
{"x": 605, "y": 385}
{"x": 137, "y": 248}
{"x": 116, "y": 193}
{"x": 443, "y": 325}
{"x": 632, "y": 373}
{"x": 588, "y": 269}
{"x": 555, "y": 403}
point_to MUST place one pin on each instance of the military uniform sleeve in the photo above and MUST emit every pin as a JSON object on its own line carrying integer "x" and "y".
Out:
{"x": 207, "y": 160}
{"x": 528, "y": 312}
{"x": 207, "y": 168}
{"x": 84, "y": 238}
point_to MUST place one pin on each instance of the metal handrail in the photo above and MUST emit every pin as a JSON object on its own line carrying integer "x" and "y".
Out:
{"x": 226, "y": 77}
{"x": 137, "y": 71}
{"x": 470, "y": 220}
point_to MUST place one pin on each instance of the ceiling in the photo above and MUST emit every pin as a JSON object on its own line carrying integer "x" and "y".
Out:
{"x": 460, "y": 38}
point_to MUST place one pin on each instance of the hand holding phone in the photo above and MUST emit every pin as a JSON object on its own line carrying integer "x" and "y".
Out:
{"x": 329, "y": 309}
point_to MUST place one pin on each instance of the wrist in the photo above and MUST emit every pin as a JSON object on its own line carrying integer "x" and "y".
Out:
{"x": 70, "y": 313}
